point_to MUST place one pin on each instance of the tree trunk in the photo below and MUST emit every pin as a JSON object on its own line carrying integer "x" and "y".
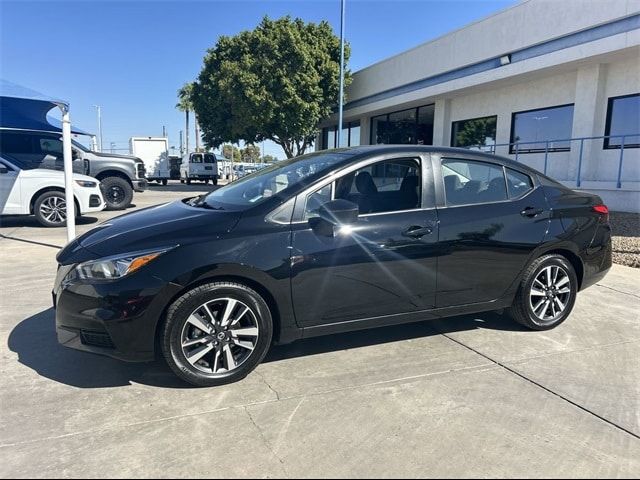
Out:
{"x": 197, "y": 127}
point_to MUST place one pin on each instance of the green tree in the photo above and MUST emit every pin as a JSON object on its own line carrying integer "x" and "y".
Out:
{"x": 269, "y": 159}
{"x": 475, "y": 132}
{"x": 251, "y": 153}
{"x": 276, "y": 83}
{"x": 226, "y": 151}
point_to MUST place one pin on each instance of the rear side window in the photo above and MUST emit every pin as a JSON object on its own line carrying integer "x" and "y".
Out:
{"x": 209, "y": 158}
{"x": 518, "y": 183}
{"x": 469, "y": 182}
{"x": 15, "y": 143}
{"x": 196, "y": 158}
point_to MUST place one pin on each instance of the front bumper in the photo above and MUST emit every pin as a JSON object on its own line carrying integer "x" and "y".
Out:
{"x": 117, "y": 319}
{"x": 140, "y": 185}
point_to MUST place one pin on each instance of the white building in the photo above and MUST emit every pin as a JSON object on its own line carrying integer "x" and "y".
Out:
{"x": 535, "y": 82}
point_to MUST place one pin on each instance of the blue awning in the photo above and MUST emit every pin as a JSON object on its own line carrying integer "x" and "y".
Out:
{"x": 26, "y": 109}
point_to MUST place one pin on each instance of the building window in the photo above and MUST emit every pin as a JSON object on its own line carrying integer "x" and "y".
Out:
{"x": 623, "y": 118}
{"x": 350, "y": 135}
{"x": 475, "y": 133}
{"x": 411, "y": 126}
{"x": 532, "y": 129}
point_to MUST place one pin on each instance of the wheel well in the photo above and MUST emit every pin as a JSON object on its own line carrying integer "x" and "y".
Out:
{"x": 261, "y": 290}
{"x": 574, "y": 260}
{"x": 50, "y": 189}
{"x": 113, "y": 173}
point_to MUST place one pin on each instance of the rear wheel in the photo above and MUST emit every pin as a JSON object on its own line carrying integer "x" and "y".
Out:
{"x": 117, "y": 193}
{"x": 547, "y": 293}
{"x": 188, "y": 181}
{"x": 215, "y": 180}
{"x": 216, "y": 334}
{"x": 164, "y": 182}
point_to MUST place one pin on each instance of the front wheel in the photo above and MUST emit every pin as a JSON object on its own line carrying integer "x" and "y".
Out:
{"x": 216, "y": 334}
{"x": 117, "y": 192}
{"x": 50, "y": 209}
{"x": 215, "y": 180}
{"x": 547, "y": 293}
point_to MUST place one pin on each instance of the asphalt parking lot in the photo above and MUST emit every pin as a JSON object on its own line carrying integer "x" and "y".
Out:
{"x": 468, "y": 396}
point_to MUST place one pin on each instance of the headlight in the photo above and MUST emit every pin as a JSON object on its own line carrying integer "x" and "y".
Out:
{"x": 112, "y": 268}
{"x": 87, "y": 184}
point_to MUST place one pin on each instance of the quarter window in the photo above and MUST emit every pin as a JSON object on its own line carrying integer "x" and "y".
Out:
{"x": 623, "y": 118}
{"x": 532, "y": 129}
{"x": 316, "y": 199}
{"x": 518, "y": 183}
{"x": 469, "y": 182}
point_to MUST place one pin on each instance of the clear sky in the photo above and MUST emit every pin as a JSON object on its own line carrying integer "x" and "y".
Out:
{"x": 131, "y": 57}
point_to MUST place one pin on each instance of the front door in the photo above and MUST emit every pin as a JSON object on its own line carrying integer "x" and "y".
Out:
{"x": 492, "y": 220}
{"x": 384, "y": 264}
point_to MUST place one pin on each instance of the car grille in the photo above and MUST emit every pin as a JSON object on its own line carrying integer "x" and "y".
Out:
{"x": 96, "y": 339}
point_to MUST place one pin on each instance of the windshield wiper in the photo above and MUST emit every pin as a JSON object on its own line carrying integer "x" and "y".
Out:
{"x": 201, "y": 202}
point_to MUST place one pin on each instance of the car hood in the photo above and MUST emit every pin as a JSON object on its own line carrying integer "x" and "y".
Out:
{"x": 115, "y": 155}
{"x": 167, "y": 225}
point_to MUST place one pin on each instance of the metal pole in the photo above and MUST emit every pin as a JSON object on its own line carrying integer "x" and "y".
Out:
{"x": 99, "y": 109}
{"x": 68, "y": 173}
{"x": 578, "y": 182}
{"x": 164, "y": 131}
{"x": 340, "y": 99}
{"x": 619, "y": 184}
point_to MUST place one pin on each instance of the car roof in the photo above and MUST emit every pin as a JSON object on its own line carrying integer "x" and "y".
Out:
{"x": 368, "y": 150}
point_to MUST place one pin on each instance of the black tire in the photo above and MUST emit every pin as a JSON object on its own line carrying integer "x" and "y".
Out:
{"x": 206, "y": 181}
{"x": 52, "y": 205}
{"x": 182, "y": 180}
{"x": 215, "y": 180}
{"x": 164, "y": 182}
{"x": 118, "y": 193}
{"x": 523, "y": 311}
{"x": 188, "y": 181}
{"x": 176, "y": 319}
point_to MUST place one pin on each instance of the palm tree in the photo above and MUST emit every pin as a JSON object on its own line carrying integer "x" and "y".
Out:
{"x": 185, "y": 105}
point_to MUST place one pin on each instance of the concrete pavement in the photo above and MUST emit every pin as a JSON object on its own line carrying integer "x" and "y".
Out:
{"x": 468, "y": 396}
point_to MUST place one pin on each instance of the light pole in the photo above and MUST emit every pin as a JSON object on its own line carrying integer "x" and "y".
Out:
{"x": 99, "y": 110}
{"x": 339, "y": 139}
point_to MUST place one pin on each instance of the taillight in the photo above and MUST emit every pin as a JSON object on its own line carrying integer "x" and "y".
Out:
{"x": 602, "y": 210}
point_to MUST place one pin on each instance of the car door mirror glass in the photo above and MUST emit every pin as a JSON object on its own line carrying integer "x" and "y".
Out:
{"x": 3, "y": 169}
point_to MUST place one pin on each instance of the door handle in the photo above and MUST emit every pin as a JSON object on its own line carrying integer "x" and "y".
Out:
{"x": 531, "y": 212}
{"x": 416, "y": 231}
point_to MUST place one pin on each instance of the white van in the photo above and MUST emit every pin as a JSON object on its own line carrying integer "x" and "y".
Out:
{"x": 199, "y": 166}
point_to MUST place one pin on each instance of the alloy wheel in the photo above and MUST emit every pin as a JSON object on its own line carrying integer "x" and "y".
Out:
{"x": 550, "y": 293}
{"x": 54, "y": 209}
{"x": 220, "y": 335}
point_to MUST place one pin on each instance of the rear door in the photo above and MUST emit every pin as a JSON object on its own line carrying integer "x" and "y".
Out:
{"x": 386, "y": 263}
{"x": 491, "y": 219}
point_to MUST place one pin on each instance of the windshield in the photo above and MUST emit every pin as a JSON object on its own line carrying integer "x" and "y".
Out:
{"x": 80, "y": 146}
{"x": 263, "y": 184}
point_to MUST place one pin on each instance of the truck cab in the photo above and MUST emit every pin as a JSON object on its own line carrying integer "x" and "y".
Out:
{"x": 199, "y": 166}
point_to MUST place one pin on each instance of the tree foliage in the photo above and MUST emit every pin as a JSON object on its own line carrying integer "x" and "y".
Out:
{"x": 276, "y": 82}
{"x": 475, "y": 132}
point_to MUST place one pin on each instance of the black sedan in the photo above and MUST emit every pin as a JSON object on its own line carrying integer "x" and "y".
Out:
{"x": 329, "y": 242}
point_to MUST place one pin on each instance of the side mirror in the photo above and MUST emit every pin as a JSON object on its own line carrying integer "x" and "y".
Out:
{"x": 336, "y": 213}
{"x": 75, "y": 154}
{"x": 3, "y": 169}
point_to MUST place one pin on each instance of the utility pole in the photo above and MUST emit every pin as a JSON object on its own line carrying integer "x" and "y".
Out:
{"x": 181, "y": 145}
{"x": 164, "y": 131}
{"x": 339, "y": 142}
{"x": 99, "y": 110}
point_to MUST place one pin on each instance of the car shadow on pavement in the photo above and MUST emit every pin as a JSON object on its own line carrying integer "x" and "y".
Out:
{"x": 35, "y": 342}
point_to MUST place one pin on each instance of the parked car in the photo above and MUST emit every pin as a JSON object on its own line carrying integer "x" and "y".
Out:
{"x": 327, "y": 243}
{"x": 119, "y": 175}
{"x": 199, "y": 166}
{"x": 25, "y": 190}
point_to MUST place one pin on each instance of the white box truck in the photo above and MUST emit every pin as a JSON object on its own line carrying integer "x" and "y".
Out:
{"x": 154, "y": 152}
